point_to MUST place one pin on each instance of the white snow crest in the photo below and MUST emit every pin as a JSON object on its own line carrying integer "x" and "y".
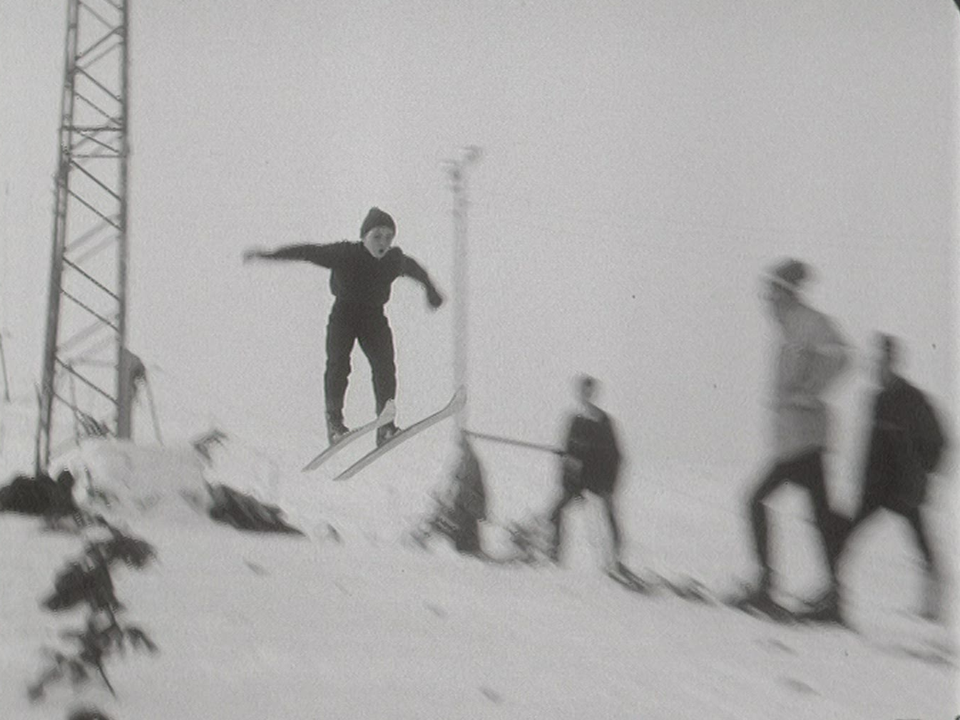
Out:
{"x": 117, "y": 477}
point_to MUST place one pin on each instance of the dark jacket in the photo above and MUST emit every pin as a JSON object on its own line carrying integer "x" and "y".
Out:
{"x": 357, "y": 278}
{"x": 593, "y": 443}
{"x": 906, "y": 442}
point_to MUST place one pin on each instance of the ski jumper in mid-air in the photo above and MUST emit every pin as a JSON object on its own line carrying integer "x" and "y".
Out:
{"x": 360, "y": 279}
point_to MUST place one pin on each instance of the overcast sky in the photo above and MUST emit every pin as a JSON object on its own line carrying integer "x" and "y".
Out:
{"x": 642, "y": 163}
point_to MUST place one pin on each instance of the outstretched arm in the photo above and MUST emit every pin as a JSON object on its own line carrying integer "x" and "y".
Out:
{"x": 412, "y": 269}
{"x": 323, "y": 255}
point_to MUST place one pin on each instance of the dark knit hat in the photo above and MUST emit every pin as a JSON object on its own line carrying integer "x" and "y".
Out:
{"x": 377, "y": 218}
{"x": 789, "y": 274}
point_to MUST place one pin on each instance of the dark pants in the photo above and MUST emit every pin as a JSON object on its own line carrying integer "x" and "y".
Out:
{"x": 556, "y": 519}
{"x": 807, "y": 472}
{"x": 869, "y": 506}
{"x": 369, "y": 326}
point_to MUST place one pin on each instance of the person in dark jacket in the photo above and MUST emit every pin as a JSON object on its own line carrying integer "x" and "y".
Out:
{"x": 905, "y": 446}
{"x": 362, "y": 273}
{"x": 591, "y": 463}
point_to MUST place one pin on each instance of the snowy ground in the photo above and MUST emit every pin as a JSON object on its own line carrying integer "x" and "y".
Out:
{"x": 366, "y": 625}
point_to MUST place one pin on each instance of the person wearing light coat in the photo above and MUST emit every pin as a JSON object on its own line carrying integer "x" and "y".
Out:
{"x": 811, "y": 355}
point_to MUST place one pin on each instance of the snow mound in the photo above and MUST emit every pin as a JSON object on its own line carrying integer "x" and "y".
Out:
{"x": 120, "y": 478}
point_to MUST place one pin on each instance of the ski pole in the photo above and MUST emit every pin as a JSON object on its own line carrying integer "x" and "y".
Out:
{"x": 517, "y": 443}
{"x": 3, "y": 364}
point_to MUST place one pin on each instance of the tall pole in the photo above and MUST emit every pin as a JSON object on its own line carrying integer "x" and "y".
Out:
{"x": 457, "y": 172}
{"x": 86, "y": 329}
{"x": 3, "y": 364}
{"x": 124, "y": 374}
{"x": 67, "y": 97}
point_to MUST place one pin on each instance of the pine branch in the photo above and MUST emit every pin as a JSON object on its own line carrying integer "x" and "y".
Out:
{"x": 88, "y": 580}
{"x": 106, "y": 680}
{"x": 101, "y": 637}
{"x": 131, "y": 551}
{"x": 138, "y": 638}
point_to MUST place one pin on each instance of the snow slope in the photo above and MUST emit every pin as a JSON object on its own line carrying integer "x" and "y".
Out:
{"x": 361, "y": 624}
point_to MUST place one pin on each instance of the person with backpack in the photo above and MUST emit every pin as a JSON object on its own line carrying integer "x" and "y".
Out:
{"x": 906, "y": 445}
{"x": 590, "y": 463}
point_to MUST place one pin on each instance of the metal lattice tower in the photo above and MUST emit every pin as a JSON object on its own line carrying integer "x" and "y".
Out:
{"x": 87, "y": 385}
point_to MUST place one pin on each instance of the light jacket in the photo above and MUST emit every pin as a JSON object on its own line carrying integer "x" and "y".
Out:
{"x": 812, "y": 354}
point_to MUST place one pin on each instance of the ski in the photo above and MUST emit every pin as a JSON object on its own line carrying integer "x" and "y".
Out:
{"x": 629, "y": 579}
{"x": 386, "y": 416}
{"x": 799, "y": 611}
{"x": 458, "y": 400}
{"x": 685, "y": 588}
{"x": 767, "y": 610}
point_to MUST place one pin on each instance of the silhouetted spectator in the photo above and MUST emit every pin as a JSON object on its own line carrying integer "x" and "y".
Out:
{"x": 591, "y": 463}
{"x": 906, "y": 445}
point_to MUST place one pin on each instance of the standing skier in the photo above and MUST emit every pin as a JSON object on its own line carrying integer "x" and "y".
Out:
{"x": 362, "y": 273}
{"x": 591, "y": 462}
{"x": 906, "y": 444}
{"x": 810, "y": 357}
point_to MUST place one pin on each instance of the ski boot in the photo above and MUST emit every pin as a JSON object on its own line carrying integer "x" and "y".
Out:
{"x": 335, "y": 427}
{"x": 757, "y": 600}
{"x": 385, "y": 432}
{"x": 620, "y": 573}
{"x": 825, "y": 608}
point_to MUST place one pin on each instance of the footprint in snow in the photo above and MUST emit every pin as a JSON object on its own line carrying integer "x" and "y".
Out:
{"x": 778, "y": 645}
{"x": 256, "y": 568}
{"x": 798, "y": 686}
{"x": 435, "y": 609}
{"x": 491, "y": 694}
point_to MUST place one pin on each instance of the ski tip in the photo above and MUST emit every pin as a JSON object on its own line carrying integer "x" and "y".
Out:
{"x": 312, "y": 465}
